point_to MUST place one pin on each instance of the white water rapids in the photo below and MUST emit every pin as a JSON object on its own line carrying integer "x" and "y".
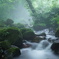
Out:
{"x": 41, "y": 51}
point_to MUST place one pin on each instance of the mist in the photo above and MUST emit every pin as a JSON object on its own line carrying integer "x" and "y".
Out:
{"x": 21, "y": 14}
{"x": 29, "y": 29}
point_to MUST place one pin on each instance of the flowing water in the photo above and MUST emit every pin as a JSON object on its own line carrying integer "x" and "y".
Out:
{"x": 42, "y": 50}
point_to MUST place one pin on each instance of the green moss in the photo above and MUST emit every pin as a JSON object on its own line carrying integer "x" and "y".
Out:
{"x": 29, "y": 35}
{"x": 23, "y": 30}
{"x": 19, "y": 25}
{"x": 5, "y": 45}
{"x": 14, "y": 51}
{"x": 11, "y": 34}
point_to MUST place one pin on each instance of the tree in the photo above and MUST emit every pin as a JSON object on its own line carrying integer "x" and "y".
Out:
{"x": 9, "y": 22}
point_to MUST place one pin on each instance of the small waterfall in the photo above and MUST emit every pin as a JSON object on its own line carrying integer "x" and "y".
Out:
{"x": 42, "y": 45}
{"x": 42, "y": 49}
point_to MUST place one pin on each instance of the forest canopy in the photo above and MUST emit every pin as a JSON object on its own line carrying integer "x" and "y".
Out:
{"x": 44, "y": 13}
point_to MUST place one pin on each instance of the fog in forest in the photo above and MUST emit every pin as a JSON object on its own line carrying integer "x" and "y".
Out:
{"x": 29, "y": 29}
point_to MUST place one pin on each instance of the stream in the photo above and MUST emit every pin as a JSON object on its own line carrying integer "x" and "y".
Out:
{"x": 41, "y": 51}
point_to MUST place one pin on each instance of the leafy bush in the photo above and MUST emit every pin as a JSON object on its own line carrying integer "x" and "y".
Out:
{"x": 39, "y": 26}
{"x": 23, "y": 30}
{"x": 19, "y": 25}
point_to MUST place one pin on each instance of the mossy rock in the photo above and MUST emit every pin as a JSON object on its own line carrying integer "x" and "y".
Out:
{"x": 55, "y": 48}
{"x": 5, "y": 45}
{"x": 10, "y": 34}
{"x": 23, "y": 30}
{"x": 15, "y": 51}
{"x": 57, "y": 33}
{"x": 19, "y": 25}
{"x": 19, "y": 43}
{"x": 29, "y": 35}
{"x": 13, "y": 35}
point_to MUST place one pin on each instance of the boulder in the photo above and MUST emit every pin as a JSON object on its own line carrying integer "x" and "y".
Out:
{"x": 26, "y": 45}
{"x": 29, "y": 35}
{"x": 4, "y": 45}
{"x": 38, "y": 39}
{"x": 13, "y": 35}
{"x": 15, "y": 51}
{"x": 55, "y": 48}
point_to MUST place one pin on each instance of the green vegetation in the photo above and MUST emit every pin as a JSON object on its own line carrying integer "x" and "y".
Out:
{"x": 13, "y": 36}
{"x": 14, "y": 51}
{"x": 29, "y": 35}
{"x": 57, "y": 32}
{"x": 5, "y": 45}
{"x": 44, "y": 14}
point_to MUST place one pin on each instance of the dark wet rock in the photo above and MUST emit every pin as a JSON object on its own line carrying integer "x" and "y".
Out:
{"x": 51, "y": 40}
{"x": 19, "y": 43}
{"x": 55, "y": 48}
{"x": 16, "y": 52}
{"x": 26, "y": 45}
{"x": 38, "y": 39}
{"x": 13, "y": 35}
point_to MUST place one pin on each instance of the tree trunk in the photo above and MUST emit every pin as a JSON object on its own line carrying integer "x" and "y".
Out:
{"x": 34, "y": 14}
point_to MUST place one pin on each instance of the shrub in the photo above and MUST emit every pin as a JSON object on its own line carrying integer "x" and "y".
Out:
{"x": 19, "y": 25}
{"x": 9, "y": 22}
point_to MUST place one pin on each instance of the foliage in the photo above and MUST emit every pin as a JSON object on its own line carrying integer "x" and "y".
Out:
{"x": 39, "y": 26}
{"x": 44, "y": 12}
{"x": 7, "y": 7}
{"x": 23, "y": 30}
{"x": 57, "y": 32}
{"x": 9, "y": 22}
{"x": 2, "y": 23}
{"x": 19, "y": 25}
